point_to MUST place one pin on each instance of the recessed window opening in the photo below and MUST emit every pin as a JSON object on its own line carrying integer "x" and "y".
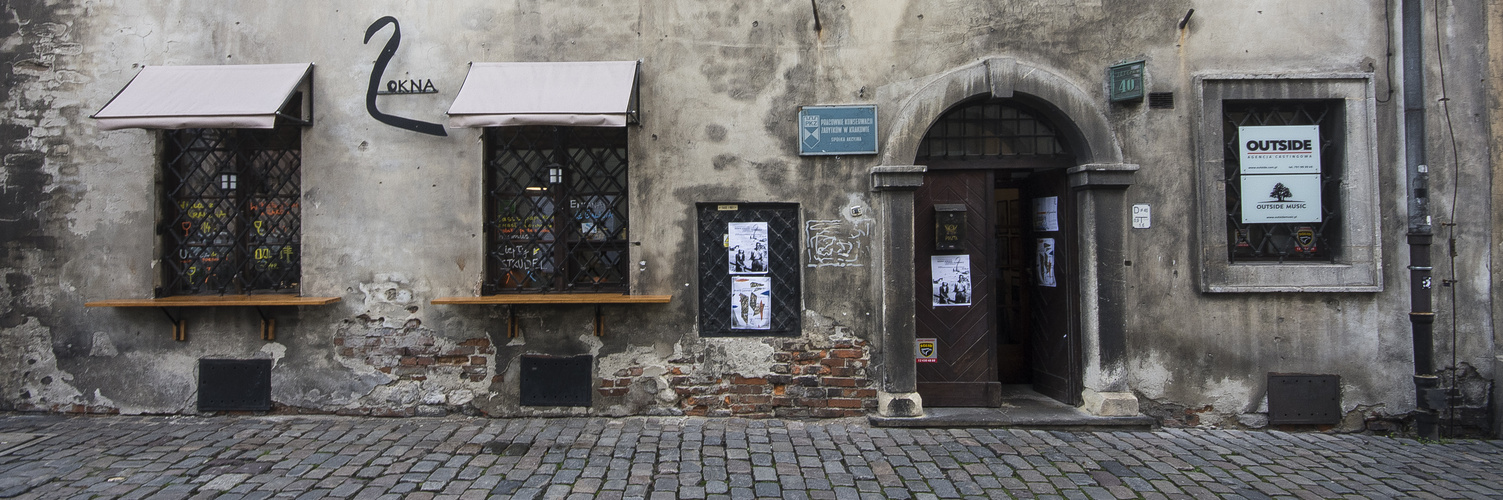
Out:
{"x": 233, "y": 220}
{"x": 555, "y": 209}
{"x": 1307, "y": 240}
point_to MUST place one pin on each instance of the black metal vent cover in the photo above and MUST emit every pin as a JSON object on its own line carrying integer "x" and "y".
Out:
{"x": 784, "y": 267}
{"x": 1160, "y": 100}
{"x": 234, "y": 384}
{"x": 1295, "y": 398}
{"x": 554, "y": 381}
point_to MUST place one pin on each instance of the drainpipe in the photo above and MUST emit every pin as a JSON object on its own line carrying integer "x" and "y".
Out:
{"x": 1428, "y": 396}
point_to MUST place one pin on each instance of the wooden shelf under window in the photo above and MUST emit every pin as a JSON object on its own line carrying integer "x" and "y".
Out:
{"x": 529, "y": 299}
{"x": 180, "y": 327}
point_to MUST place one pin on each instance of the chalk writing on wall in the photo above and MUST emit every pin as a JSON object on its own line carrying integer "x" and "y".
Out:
{"x": 836, "y": 243}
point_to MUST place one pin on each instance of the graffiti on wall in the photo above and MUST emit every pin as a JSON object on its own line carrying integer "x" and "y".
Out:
{"x": 836, "y": 243}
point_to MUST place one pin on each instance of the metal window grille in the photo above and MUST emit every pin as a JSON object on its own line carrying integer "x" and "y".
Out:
{"x": 556, "y": 209}
{"x": 990, "y": 129}
{"x": 783, "y": 267}
{"x": 1294, "y": 241}
{"x": 233, "y": 221}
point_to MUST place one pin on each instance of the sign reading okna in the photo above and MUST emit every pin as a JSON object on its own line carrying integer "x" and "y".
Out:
{"x": 1280, "y": 171}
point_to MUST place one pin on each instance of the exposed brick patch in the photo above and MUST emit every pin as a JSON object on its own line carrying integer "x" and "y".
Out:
{"x": 807, "y": 379}
{"x": 414, "y": 353}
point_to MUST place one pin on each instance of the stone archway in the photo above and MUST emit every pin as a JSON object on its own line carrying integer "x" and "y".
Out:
{"x": 1101, "y": 177}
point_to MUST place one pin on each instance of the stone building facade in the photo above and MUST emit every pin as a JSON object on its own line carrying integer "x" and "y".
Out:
{"x": 540, "y": 208}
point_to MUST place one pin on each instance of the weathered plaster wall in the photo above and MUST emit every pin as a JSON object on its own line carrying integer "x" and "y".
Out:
{"x": 392, "y": 218}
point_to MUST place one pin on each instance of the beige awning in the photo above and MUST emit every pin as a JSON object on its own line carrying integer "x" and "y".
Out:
{"x": 238, "y": 96}
{"x": 580, "y": 94}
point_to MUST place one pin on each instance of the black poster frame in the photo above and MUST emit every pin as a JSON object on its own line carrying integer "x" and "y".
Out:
{"x": 784, "y": 265}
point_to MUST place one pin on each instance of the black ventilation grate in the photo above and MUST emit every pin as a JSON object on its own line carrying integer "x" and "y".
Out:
{"x": 1304, "y": 399}
{"x": 553, "y": 381}
{"x": 1160, "y": 100}
{"x": 234, "y": 384}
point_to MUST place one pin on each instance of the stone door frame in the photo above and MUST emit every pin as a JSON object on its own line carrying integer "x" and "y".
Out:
{"x": 1101, "y": 179}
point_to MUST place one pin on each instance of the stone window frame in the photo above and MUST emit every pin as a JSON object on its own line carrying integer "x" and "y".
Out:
{"x": 1359, "y": 263}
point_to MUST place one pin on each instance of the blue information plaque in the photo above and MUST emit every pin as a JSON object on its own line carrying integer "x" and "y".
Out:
{"x": 837, "y": 130}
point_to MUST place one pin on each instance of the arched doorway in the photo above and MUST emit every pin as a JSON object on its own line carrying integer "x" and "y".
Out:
{"x": 996, "y": 273}
{"x": 1092, "y": 199}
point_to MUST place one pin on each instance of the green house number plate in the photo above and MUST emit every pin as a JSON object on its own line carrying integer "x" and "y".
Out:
{"x": 1127, "y": 82}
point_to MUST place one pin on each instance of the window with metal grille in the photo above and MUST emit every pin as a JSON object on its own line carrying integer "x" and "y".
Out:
{"x": 233, "y": 222}
{"x": 990, "y": 129}
{"x": 555, "y": 209}
{"x": 1292, "y": 241}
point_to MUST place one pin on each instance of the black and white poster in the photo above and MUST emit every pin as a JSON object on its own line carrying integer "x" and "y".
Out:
{"x": 751, "y": 302}
{"x": 748, "y": 247}
{"x": 952, "y": 280}
{"x": 1046, "y": 262}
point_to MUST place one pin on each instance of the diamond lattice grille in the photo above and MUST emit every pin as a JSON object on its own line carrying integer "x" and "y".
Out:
{"x": 233, "y": 220}
{"x": 1279, "y": 242}
{"x": 556, "y": 215}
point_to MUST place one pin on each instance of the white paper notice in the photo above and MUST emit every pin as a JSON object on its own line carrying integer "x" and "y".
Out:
{"x": 751, "y": 303}
{"x": 1046, "y": 262}
{"x": 748, "y": 247}
{"x": 1046, "y": 213}
{"x": 952, "y": 280}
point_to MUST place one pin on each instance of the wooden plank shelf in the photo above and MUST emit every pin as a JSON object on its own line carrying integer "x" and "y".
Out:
{"x": 180, "y": 326}
{"x": 541, "y": 299}
{"x": 555, "y": 298}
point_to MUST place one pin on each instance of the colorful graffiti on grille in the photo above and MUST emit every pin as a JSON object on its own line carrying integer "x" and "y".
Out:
{"x": 208, "y": 240}
{"x": 836, "y": 243}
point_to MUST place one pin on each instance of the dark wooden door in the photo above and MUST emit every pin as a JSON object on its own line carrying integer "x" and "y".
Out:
{"x": 964, "y": 372}
{"x": 1053, "y": 289}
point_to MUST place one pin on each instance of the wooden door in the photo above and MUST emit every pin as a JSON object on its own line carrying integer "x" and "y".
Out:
{"x": 964, "y": 369}
{"x": 1054, "y": 287}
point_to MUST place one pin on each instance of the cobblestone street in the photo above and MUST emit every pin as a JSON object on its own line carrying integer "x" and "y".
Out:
{"x": 49, "y": 456}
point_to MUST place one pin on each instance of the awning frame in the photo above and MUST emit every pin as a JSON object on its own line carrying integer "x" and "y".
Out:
{"x": 302, "y": 93}
{"x": 630, "y": 115}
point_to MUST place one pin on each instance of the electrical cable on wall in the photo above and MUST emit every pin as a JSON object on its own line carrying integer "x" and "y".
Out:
{"x": 1451, "y": 223}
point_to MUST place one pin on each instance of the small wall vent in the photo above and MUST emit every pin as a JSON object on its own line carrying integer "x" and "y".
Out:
{"x": 234, "y": 385}
{"x": 1295, "y": 398}
{"x": 551, "y": 381}
{"x": 1160, "y": 100}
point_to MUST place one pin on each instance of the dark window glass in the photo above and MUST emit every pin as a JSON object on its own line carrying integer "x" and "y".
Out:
{"x": 233, "y": 220}
{"x": 1292, "y": 241}
{"x": 555, "y": 209}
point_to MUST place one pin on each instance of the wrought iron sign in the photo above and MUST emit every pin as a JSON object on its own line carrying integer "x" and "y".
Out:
{"x": 395, "y": 86}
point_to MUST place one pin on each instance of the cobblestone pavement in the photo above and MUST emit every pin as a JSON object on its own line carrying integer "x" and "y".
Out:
{"x": 708, "y": 458}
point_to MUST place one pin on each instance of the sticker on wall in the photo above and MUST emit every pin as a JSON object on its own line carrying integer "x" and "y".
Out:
{"x": 928, "y": 351}
{"x": 751, "y": 303}
{"x": 748, "y": 247}
{"x": 1046, "y": 262}
{"x": 1304, "y": 239}
{"x": 1046, "y": 213}
{"x": 952, "y": 279}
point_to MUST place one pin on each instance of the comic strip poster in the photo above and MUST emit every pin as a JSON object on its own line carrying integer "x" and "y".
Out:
{"x": 751, "y": 302}
{"x": 748, "y": 247}
{"x": 1046, "y": 262}
{"x": 952, "y": 280}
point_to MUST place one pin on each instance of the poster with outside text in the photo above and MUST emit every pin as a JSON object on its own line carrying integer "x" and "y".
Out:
{"x": 1046, "y": 214}
{"x": 747, "y": 247}
{"x": 751, "y": 302}
{"x": 952, "y": 280}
